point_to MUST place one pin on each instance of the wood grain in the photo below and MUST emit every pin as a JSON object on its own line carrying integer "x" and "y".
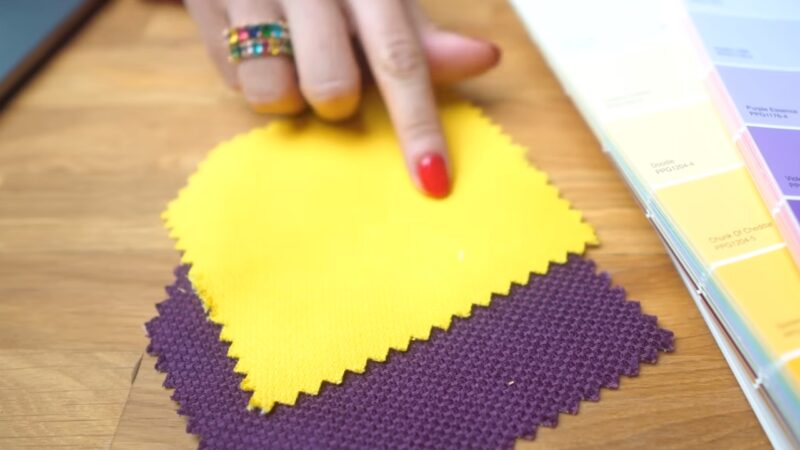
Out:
{"x": 96, "y": 144}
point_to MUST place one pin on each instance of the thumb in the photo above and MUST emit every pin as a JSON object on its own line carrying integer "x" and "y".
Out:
{"x": 452, "y": 56}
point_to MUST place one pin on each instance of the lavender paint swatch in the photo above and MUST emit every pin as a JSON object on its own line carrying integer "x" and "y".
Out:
{"x": 795, "y": 206}
{"x": 754, "y": 51}
{"x": 780, "y": 149}
{"x": 763, "y": 97}
{"x": 492, "y": 378}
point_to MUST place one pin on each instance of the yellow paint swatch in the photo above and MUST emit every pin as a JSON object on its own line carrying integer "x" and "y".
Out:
{"x": 697, "y": 144}
{"x": 632, "y": 81}
{"x": 770, "y": 304}
{"x": 792, "y": 373}
{"x": 722, "y": 215}
{"x": 313, "y": 250}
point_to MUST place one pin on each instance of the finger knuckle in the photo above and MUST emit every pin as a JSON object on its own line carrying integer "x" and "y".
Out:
{"x": 400, "y": 57}
{"x": 419, "y": 130}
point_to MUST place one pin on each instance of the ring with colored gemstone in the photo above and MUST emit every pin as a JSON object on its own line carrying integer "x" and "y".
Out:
{"x": 262, "y": 39}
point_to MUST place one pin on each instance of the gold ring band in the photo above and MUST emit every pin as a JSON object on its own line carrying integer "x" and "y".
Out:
{"x": 262, "y": 39}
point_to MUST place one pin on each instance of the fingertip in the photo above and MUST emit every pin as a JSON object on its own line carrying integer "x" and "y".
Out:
{"x": 452, "y": 56}
{"x": 339, "y": 107}
{"x": 496, "y": 56}
{"x": 287, "y": 105}
{"x": 433, "y": 175}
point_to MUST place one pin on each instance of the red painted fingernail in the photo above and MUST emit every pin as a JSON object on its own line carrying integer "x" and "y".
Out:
{"x": 432, "y": 173}
{"x": 498, "y": 53}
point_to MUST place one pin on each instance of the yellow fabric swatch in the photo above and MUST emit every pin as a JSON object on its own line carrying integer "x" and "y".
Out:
{"x": 313, "y": 250}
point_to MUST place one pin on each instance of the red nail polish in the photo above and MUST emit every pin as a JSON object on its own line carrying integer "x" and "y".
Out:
{"x": 498, "y": 53}
{"x": 432, "y": 173}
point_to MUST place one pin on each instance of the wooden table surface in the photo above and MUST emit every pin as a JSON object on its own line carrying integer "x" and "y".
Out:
{"x": 97, "y": 143}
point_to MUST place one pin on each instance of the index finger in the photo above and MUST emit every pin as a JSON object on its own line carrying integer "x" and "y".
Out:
{"x": 399, "y": 64}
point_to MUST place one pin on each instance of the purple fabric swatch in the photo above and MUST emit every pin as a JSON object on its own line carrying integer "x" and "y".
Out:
{"x": 492, "y": 378}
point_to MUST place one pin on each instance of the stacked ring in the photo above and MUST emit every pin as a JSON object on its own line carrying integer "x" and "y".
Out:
{"x": 263, "y": 39}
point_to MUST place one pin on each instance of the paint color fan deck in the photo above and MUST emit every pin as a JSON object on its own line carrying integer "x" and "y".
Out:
{"x": 649, "y": 96}
{"x": 751, "y": 55}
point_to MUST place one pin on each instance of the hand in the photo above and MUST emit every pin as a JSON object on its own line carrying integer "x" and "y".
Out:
{"x": 404, "y": 51}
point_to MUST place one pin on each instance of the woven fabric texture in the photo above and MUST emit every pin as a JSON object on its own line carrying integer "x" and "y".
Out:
{"x": 311, "y": 247}
{"x": 492, "y": 378}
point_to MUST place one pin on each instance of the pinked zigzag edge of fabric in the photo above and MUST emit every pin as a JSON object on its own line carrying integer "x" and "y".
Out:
{"x": 182, "y": 395}
{"x": 198, "y": 281}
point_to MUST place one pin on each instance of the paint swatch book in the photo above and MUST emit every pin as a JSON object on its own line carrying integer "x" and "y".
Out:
{"x": 633, "y": 71}
{"x": 751, "y": 55}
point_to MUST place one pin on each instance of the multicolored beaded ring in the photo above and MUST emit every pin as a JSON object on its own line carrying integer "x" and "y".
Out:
{"x": 263, "y": 39}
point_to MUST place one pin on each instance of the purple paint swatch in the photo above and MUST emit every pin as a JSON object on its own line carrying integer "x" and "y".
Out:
{"x": 492, "y": 378}
{"x": 764, "y": 97}
{"x": 780, "y": 149}
{"x": 758, "y": 64}
{"x": 795, "y": 207}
